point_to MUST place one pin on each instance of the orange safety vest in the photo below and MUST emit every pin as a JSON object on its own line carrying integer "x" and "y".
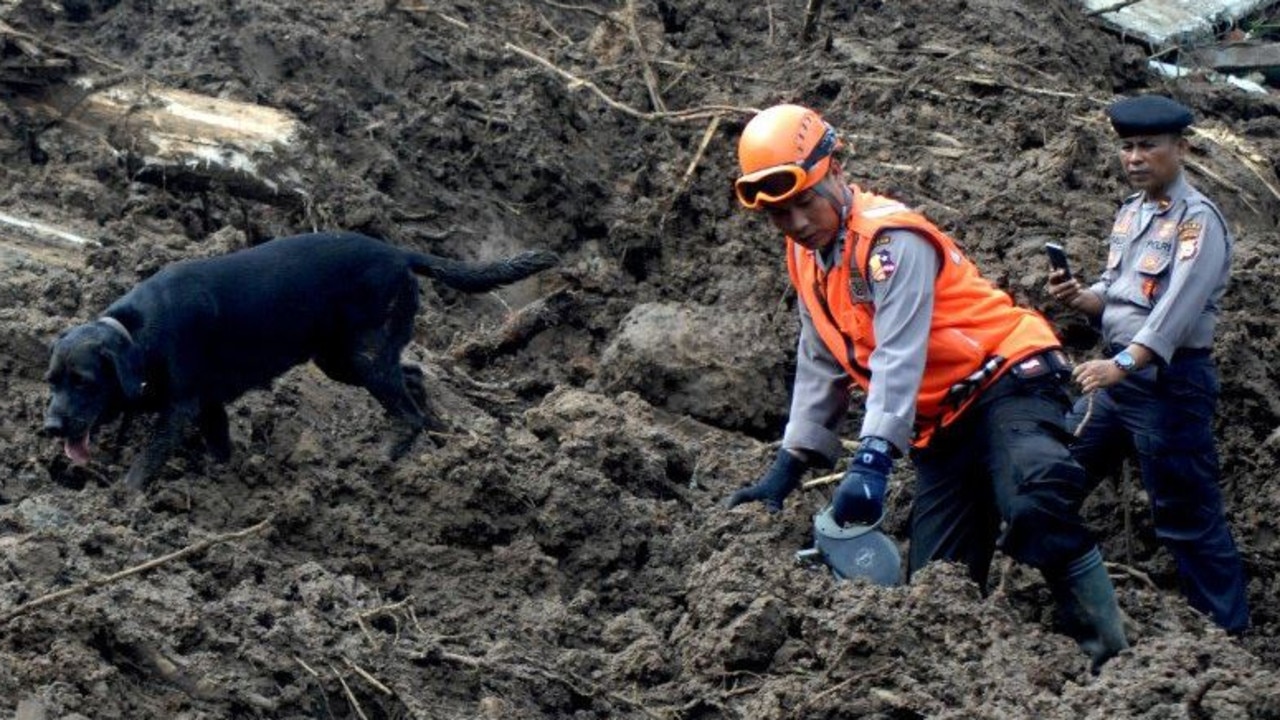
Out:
{"x": 973, "y": 320}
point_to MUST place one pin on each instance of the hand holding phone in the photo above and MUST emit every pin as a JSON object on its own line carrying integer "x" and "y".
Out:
{"x": 1058, "y": 259}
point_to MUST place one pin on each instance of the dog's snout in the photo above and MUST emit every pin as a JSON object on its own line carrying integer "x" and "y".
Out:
{"x": 51, "y": 429}
{"x": 53, "y": 426}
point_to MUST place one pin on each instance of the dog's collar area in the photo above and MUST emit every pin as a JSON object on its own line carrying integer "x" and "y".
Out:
{"x": 116, "y": 325}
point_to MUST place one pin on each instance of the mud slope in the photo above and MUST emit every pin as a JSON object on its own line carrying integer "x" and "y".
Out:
{"x": 561, "y": 553}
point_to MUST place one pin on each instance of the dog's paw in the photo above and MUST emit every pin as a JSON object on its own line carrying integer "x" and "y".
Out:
{"x": 402, "y": 443}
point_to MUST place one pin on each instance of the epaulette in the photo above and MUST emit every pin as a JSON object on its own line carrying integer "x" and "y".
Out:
{"x": 1199, "y": 201}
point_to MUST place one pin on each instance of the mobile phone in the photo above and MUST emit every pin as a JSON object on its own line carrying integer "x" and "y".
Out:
{"x": 1058, "y": 259}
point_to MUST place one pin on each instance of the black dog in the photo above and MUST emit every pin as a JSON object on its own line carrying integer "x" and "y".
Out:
{"x": 200, "y": 333}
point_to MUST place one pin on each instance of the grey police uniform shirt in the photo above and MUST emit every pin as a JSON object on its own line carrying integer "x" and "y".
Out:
{"x": 1167, "y": 268}
{"x": 903, "y": 302}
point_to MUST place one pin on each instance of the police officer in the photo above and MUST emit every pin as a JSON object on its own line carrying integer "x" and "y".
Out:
{"x": 1156, "y": 303}
{"x": 956, "y": 375}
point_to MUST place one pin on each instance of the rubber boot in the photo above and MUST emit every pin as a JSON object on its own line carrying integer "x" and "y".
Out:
{"x": 1089, "y": 608}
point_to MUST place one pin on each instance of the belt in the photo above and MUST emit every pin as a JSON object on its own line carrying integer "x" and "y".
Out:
{"x": 1045, "y": 362}
{"x": 1042, "y": 363}
{"x": 958, "y": 393}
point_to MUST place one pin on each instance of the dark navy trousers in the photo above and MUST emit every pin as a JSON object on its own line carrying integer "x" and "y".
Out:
{"x": 1165, "y": 416}
{"x": 1002, "y": 476}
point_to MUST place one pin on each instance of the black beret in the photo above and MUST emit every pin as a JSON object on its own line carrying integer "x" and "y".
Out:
{"x": 1148, "y": 115}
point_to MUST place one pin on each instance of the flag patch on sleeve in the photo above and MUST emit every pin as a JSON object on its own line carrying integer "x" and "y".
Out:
{"x": 882, "y": 265}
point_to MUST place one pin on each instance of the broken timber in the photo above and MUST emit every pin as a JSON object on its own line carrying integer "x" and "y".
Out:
{"x": 182, "y": 139}
{"x": 165, "y": 135}
{"x": 1162, "y": 23}
{"x": 1242, "y": 58}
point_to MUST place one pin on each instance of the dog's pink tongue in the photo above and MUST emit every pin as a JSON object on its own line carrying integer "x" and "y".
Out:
{"x": 77, "y": 450}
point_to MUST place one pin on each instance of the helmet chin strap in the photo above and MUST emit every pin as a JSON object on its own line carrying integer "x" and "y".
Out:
{"x": 842, "y": 205}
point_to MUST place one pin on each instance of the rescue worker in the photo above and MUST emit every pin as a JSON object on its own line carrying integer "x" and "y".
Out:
{"x": 955, "y": 375}
{"x": 1156, "y": 304}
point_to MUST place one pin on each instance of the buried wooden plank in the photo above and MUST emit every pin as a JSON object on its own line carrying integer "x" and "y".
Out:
{"x": 180, "y": 138}
{"x": 1161, "y": 23}
{"x": 44, "y": 233}
{"x": 42, "y": 242}
{"x": 1240, "y": 57}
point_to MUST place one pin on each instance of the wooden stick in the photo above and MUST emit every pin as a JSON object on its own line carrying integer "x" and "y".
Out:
{"x": 841, "y": 686}
{"x": 305, "y": 666}
{"x": 992, "y": 82}
{"x": 192, "y": 549}
{"x": 690, "y": 114}
{"x": 646, "y": 70}
{"x": 1239, "y": 191}
{"x": 47, "y": 233}
{"x": 1088, "y": 413}
{"x": 351, "y": 697}
{"x": 1111, "y": 8}
{"x": 707, "y": 134}
{"x": 824, "y": 480}
{"x": 371, "y": 679}
{"x": 575, "y": 82}
{"x": 693, "y": 166}
{"x": 1200, "y": 168}
{"x": 1251, "y": 159}
{"x": 1132, "y": 572}
{"x": 583, "y": 8}
{"x": 810, "y": 20}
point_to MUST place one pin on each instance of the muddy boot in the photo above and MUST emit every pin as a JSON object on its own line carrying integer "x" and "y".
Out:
{"x": 1088, "y": 609}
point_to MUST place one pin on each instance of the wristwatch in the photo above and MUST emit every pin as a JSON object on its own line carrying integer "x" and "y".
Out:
{"x": 1124, "y": 360}
{"x": 877, "y": 444}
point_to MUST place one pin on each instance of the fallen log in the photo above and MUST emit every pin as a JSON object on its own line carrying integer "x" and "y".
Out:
{"x": 166, "y": 136}
{"x": 182, "y": 139}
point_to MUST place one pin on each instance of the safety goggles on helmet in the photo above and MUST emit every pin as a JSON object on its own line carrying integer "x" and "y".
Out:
{"x": 781, "y": 182}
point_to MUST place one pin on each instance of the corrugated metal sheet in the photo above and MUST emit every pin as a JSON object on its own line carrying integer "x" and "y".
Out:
{"x": 1168, "y": 22}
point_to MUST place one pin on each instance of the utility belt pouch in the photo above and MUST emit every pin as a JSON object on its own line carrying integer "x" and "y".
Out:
{"x": 1050, "y": 362}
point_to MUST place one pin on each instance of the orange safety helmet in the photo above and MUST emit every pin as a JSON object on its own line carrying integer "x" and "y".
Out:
{"x": 783, "y": 150}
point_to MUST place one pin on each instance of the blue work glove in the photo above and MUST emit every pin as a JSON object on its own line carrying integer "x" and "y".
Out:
{"x": 860, "y": 497}
{"x": 772, "y": 489}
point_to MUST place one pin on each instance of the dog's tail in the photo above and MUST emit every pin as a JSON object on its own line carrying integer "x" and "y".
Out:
{"x": 474, "y": 277}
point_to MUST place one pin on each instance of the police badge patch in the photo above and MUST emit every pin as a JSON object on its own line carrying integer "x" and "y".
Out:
{"x": 1123, "y": 224}
{"x": 882, "y": 265}
{"x": 1189, "y": 240}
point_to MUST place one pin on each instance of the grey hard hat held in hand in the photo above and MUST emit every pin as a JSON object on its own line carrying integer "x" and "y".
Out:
{"x": 854, "y": 551}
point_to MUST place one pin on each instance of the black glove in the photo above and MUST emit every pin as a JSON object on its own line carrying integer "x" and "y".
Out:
{"x": 772, "y": 489}
{"x": 860, "y": 497}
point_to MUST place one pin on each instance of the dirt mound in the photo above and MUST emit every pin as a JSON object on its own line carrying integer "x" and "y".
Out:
{"x": 562, "y": 553}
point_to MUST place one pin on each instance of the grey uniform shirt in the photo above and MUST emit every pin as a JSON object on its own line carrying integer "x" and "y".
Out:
{"x": 1167, "y": 268}
{"x": 903, "y": 313}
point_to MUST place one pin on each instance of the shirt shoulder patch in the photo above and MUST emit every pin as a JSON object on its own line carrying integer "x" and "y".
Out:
{"x": 1189, "y": 239}
{"x": 882, "y": 265}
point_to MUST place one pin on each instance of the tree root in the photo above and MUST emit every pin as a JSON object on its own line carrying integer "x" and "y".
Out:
{"x": 88, "y": 585}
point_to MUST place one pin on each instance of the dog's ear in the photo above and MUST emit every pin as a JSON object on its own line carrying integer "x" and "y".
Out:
{"x": 127, "y": 361}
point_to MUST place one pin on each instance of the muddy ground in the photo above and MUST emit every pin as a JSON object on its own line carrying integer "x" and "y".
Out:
{"x": 562, "y": 553}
